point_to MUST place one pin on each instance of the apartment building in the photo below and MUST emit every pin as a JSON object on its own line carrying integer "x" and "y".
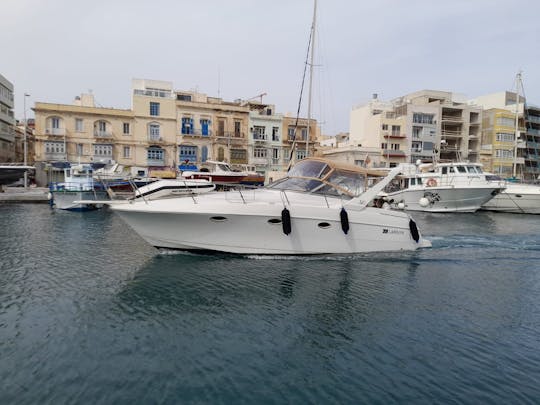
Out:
{"x": 265, "y": 144}
{"x": 499, "y": 143}
{"x": 211, "y": 128}
{"x": 168, "y": 130}
{"x": 150, "y": 140}
{"x": 7, "y": 122}
{"x": 304, "y": 131}
{"x": 511, "y": 137}
{"x": 424, "y": 125}
{"x": 532, "y": 153}
{"x": 82, "y": 132}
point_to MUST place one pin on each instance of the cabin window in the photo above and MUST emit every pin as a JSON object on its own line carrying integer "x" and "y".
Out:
{"x": 444, "y": 170}
{"x": 452, "y": 170}
{"x": 462, "y": 169}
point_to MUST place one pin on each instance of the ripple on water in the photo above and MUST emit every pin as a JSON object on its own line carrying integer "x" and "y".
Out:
{"x": 90, "y": 313}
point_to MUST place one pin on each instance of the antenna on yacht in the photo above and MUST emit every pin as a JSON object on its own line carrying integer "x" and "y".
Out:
{"x": 519, "y": 85}
{"x": 311, "y": 74}
{"x": 309, "y": 49}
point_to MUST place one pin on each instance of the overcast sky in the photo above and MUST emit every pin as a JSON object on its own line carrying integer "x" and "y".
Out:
{"x": 57, "y": 49}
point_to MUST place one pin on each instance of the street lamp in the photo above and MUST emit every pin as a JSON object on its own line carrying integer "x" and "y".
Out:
{"x": 25, "y": 141}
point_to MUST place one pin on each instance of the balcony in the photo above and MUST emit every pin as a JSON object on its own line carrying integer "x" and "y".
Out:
{"x": 54, "y": 156}
{"x": 197, "y": 132}
{"x": 155, "y": 162}
{"x": 393, "y": 153}
{"x": 155, "y": 139}
{"x": 230, "y": 138}
{"x": 520, "y": 161}
{"x": 451, "y": 134}
{"x": 394, "y": 135}
{"x": 102, "y": 134}
{"x": 452, "y": 118}
{"x": 55, "y": 131}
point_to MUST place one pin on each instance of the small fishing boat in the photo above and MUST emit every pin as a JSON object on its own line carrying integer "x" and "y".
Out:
{"x": 78, "y": 185}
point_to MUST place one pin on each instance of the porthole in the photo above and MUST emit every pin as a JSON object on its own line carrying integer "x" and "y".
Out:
{"x": 519, "y": 195}
{"x": 323, "y": 225}
{"x": 218, "y": 219}
{"x": 274, "y": 221}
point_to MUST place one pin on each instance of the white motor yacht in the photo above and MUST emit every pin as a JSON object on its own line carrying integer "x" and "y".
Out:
{"x": 441, "y": 187}
{"x": 321, "y": 207}
{"x": 516, "y": 198}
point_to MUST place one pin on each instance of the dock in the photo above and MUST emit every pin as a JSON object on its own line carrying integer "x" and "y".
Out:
{"x": 24, "y": 195}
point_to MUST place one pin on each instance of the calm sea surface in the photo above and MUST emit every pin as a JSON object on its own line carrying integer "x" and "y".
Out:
{"x": 89, "y": 313}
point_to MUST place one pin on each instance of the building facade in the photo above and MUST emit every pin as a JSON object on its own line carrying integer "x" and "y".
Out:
{"x": 7, "y": 122}
{"x": 424, "y": 125}
{"x": 265, "y": 144}
{"x": 167, "y": 130}
{"x": 518, "y": 124}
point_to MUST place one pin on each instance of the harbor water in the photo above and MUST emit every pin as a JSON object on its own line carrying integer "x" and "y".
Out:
{"x": 89, "y": 313}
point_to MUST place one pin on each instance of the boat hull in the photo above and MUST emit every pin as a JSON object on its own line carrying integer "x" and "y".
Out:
{"x": 443, "y": 199}
{"x": 70, "y": 200}
{"x": 252, "y": 228}
{"x": 521, "y": 199}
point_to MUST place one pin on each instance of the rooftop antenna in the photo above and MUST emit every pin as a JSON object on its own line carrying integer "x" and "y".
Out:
{"x": 219, "y": 82}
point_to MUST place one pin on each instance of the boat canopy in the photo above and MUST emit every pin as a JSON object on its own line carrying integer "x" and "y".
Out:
{"x": 321, "y": 176}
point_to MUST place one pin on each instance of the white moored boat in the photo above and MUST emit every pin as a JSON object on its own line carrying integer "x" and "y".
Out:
{"x": 320, "y": 208}
{"x": 441, "y": 187}
{"x": 516, "y": 198}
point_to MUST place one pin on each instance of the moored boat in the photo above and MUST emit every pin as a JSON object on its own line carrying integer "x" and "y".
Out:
{"x": 518, "y": 198}
{"x": 78, "y": 185}
{"x": 441, "y": 187}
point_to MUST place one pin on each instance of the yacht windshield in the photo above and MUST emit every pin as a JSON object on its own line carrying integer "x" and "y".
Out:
{"x": 348, "y": 181}
{"x": 309, "y": 168}
{"x": 320, "y": 178}
{"x": 297, "y": 184}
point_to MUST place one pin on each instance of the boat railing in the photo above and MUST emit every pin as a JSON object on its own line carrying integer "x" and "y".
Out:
{"x": 70, "y": 186}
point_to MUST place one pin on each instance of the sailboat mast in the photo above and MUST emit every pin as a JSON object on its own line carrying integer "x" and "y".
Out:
{"x": 311, "y": 73}
{"x": 514, "y": 165}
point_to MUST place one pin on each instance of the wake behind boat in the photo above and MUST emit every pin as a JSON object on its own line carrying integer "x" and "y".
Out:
{"x": 320, "y": 208}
